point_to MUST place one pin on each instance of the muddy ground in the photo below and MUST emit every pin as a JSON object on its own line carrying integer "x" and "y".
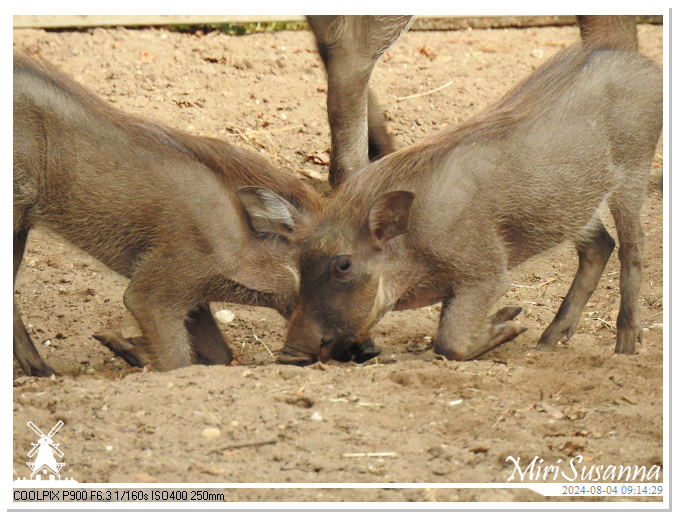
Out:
{"x": 405, "y": 417}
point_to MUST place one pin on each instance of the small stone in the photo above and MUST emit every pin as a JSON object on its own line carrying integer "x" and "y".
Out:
{"x": 211, "y": 433}
{"x": 224, "y": 316}
{"x": 316, "y": 416}
{"x": 441, "y": 468}
{"x": 108, "y": 447}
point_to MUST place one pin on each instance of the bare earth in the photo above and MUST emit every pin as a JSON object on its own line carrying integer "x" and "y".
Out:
{"x": 422, "y": 419}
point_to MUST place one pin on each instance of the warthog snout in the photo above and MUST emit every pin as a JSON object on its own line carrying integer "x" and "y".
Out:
{"x": 307, "y": 343}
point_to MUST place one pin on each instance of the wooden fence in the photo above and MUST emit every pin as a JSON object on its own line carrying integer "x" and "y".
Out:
{"x": 421, "y": 23}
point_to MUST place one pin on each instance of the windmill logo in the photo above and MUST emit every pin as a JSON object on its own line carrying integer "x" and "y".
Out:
{"x": 45, "y": 451}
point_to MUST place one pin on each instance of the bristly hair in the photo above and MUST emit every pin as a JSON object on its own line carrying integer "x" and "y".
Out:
{"x": 234, "y": 166}
{"x": 522, "y": 101}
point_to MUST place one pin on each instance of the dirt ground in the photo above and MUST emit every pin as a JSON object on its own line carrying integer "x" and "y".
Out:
{"x": 404, "y": 417}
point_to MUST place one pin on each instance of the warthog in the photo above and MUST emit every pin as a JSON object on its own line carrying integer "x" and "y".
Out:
{"x": 444, "y": 220}
{"x": 175, "y": 213}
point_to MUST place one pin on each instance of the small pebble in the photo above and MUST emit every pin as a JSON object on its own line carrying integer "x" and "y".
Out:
{"x": 224, "y": 316}
{"x": 211, "y": 433}
{"x": 316, "y": 416}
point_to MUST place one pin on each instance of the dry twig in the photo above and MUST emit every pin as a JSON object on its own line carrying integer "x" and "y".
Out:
{"x": 244, "y": 445}
{"x": 265, "y": 346}
{"x": 371, "y": 454}
{"x": 607, "y": 323}
{"x": 551, "y": 280}
{"x": 425, "y": 93}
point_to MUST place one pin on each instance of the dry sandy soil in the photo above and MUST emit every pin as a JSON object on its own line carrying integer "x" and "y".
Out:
{"x": 255, "y": 421}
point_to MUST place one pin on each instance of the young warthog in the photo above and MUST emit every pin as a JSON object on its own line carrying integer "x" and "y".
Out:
{"x": 445, "y": 219}
{"x": 177, "y": 214}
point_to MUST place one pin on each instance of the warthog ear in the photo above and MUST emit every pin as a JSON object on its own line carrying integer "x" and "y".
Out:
{"x": 268, "y": 212}
{"x": 388, "y": 215}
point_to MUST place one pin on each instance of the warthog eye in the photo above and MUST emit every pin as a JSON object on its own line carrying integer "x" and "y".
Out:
{"x": 343, "y": 264}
